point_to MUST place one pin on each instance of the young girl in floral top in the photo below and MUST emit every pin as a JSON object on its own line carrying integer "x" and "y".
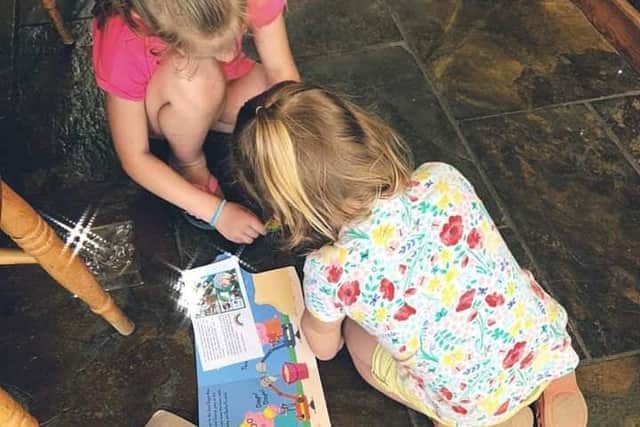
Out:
{"x": 406, "y": 267}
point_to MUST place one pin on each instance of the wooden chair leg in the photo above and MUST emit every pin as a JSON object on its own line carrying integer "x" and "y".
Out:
{"x": 35, "y": 237}
{"x": 15, "y": 256}
{"x": 12, "y": 414}
{"x": 56, "y": 19}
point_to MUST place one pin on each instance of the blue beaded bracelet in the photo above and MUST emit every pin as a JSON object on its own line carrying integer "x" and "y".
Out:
{"x": 217, "y": 213}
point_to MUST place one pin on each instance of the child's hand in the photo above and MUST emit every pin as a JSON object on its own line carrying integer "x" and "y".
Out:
{"x": 239, "y": 224}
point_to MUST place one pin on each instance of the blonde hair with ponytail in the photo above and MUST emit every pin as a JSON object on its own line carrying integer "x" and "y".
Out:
{"x": 317, "y": 161}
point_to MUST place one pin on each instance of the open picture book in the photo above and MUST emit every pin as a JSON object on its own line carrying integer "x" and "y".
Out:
{"x": 253, "y": 365}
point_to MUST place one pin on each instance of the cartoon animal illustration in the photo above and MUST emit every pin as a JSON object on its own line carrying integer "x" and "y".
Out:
{"x": 288, "y": 336}
{"x": 269, "y": 331}
{"x": 270, "y": 416}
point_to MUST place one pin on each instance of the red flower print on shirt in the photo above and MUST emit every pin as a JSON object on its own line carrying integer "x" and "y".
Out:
{"x": 464, "y": 261}
{"x": 474, "y": 238}
{"x": 514, "y": 355}
{"x": 404, "y": 312}
{"x": 452, "y": 231}
{"x": 459, "y": 410}
{"x": 527, "y": 360}
{"x": 402, "y": 268}
{"x": 410, "y": 291}
{"x": 536, "y": 289}
{"x": 466, "y": 300}
{"x": 472, "y": 316}
{"x": 495, "y": 299}
{"x": 502, "y": 409}
{"x": 446, "y": 393}
{"x": 349, "y": 292}
{"x": 387, "y": 289}
{"x": 334, "y": 273}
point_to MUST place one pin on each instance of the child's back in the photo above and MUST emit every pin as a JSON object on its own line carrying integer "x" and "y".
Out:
{"x": 430, "y": 277}
{"x": 408, "y": 267}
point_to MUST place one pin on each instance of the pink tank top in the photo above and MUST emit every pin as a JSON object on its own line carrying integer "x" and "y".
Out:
{"x": 124, "y": 61}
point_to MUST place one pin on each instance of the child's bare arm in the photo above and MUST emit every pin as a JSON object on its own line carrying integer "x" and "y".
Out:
{"x": 325, "y": 339}
{"x": 128, "y": 123}
{"x": 272, "y": 44}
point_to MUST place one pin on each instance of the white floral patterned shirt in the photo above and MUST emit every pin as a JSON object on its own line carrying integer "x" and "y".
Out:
{"x": 429, "y": 275}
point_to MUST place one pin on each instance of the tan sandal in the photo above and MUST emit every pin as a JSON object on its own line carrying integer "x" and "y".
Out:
{"x": 523, "y": 418}
{"x": 562, "y": 404}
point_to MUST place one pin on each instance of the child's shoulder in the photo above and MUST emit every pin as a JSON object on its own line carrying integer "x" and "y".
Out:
{"x": 122, "y": 58}
{"x": 116, "y": 38}
{"x": 263, "y": 12}
{"x": 430, "y": 173}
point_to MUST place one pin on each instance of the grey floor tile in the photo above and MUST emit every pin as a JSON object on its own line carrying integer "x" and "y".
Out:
{"x": 490, "y": 57}
{"x": 7, "y": 33}
{"x": 623, "y": 117}
{"x": 60, "y": 110}
{"x": 611, "y": 389}
{"x": 321, "y": 26}
{"x": 570, "y": 193}
{"x": 389, "y": 83}
{"x": 31, "y": 11}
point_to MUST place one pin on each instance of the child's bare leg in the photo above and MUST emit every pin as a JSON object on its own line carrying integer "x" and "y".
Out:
{"x": 240, "y": 91}
{"x": 182, "y": 105}
{"x": 361, "y": 346}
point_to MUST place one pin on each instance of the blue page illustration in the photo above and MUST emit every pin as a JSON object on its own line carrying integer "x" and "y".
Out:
{"x": 275, "y": 385}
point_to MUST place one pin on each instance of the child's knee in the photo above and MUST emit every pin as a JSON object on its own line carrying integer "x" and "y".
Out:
{"x": 204, "y": 90}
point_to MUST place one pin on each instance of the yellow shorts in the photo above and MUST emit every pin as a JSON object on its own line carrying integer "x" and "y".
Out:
{"x": 384, "y": 370}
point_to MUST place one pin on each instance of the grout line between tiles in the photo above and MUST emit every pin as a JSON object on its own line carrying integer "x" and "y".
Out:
{"x": 485, "y": 179}
{"x": 551, "y": 106}
{"x": 13, "y": 56}
{"x": 614, "y": 138}
{"x": 346, "y": 52}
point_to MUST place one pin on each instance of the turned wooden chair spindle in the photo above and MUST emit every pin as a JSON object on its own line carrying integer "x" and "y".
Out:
{"x": 40, "y": 244}
{"x": 12, "y": 414}
{"x": 54, "y": 14}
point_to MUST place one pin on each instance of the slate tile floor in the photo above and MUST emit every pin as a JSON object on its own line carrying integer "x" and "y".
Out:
{"x": 523, "y": 96}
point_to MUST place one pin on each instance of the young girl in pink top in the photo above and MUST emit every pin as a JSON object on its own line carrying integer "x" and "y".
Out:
{"x": 175, "y": 69}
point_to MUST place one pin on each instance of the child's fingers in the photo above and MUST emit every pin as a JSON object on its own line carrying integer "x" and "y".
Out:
{"x": 245, "y": 239}
{"x": 251, "y": 233}
{"x": 258, "y": 226}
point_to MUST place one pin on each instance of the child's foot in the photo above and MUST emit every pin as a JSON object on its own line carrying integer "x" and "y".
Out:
{"x": 523, "y": 418}
{"x": 212, "y": 186}
{"x": 562, "y": 404}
